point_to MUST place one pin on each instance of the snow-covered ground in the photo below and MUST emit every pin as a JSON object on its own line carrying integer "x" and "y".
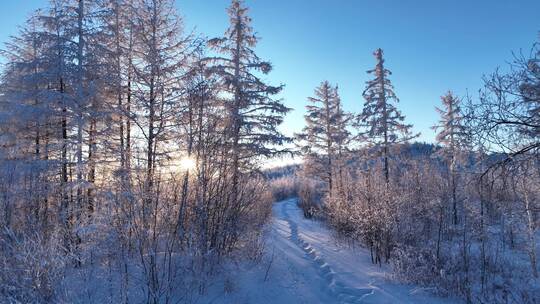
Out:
{"x": 304, "y": 264}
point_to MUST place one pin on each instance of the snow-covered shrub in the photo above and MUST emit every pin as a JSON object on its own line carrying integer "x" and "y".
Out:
{"x": 31, "y": 267}
{"x": 448, "y": 274}
{"x": 310, "y": 197}
{"x": 415, "y": 265}
{"x": 496, "y": 278}
{"x": 258, "y": 209}
{"x": 284, "y": 187}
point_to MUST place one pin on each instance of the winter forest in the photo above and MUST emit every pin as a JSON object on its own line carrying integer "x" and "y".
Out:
{"x": 134, "y": 168}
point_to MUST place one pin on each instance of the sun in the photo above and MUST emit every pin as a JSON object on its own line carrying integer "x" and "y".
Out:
{"x": 187, "y": 163}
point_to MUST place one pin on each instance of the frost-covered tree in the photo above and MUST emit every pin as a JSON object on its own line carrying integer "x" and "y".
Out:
{"x": 324, "y": 139}
{"x": 381, "y": 122}
{"x": 201, "y": 134}
{"x": 89, "y": 81}
{"x": 159, "y": 54}
{"x": 27, "y": 116}
{"x": 59, "y": 64}
{"x": 253, "y": 112}
{"x": 506, "y": 121}
{"x": 50, "y": 75}
{"x": 159, "y": 57}
{"x": 452, "y": 132}
{"x": 507, "y": 116}
{"x": 113, "y": 131}
{"x": 453, "y": 137}
{"x": 117, "y": 42}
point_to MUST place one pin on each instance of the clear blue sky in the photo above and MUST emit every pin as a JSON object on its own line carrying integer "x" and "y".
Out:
{"x": 430, "y": 46}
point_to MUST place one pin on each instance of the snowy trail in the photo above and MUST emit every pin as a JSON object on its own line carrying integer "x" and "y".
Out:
{"x": 341, "y": 292}
{"x": 304, "y": 264}
{"x": 348, "y": 272}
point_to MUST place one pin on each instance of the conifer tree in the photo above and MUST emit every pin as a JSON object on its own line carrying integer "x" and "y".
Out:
{"x": 159, "y": 57}
{"x": 381, "y": 122}
{"x": 26, "y": 118}
{"x": 453, "y": 137}
{"x": 59, "y": 66}
{"x": 324, "y": 138}
{"x": 117, "y": 43}
{"x": 253, "y": 113}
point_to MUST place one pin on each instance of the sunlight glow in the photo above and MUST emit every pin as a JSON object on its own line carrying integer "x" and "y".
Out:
{"x": 187, "y": 163}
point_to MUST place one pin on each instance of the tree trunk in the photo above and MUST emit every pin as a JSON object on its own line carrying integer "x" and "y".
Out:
{"x": 80, "y": 103}
{"x": 530, "y": 230}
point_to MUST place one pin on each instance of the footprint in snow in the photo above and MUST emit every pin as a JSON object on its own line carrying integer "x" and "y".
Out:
{"x": 343, "y": 293}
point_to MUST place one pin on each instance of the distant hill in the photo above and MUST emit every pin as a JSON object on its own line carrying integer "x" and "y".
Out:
{"x": 410, "y": 151}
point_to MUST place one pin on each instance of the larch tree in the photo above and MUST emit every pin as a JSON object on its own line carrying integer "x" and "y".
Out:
{"x": 117, "y": 43}
{"x": 59, "y": 73}
{"x": 100, "y": 101}
{"x": 202, "y": 134}
{"x": 453, "y": 137}
{"x": 253, "y": 113}
{"x": 26, "y": 122}
{"x": 159, "y": 58}
{"x": 59, "y": 56}
{"x": 82, "y": 55}
{"x": 324, "y": 139}
{"x": 343, "y": 139}
{"x": 381, "y": 122}
{"x": 88, "y": 84}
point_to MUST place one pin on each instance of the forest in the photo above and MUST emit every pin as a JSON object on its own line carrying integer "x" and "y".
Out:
{"x": 133, "y": 152}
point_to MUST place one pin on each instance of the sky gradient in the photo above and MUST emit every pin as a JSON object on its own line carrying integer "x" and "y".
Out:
{"x": 430, "y": 46}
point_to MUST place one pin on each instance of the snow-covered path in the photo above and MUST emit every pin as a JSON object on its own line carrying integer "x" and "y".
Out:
{"x": 304, "y": 264}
